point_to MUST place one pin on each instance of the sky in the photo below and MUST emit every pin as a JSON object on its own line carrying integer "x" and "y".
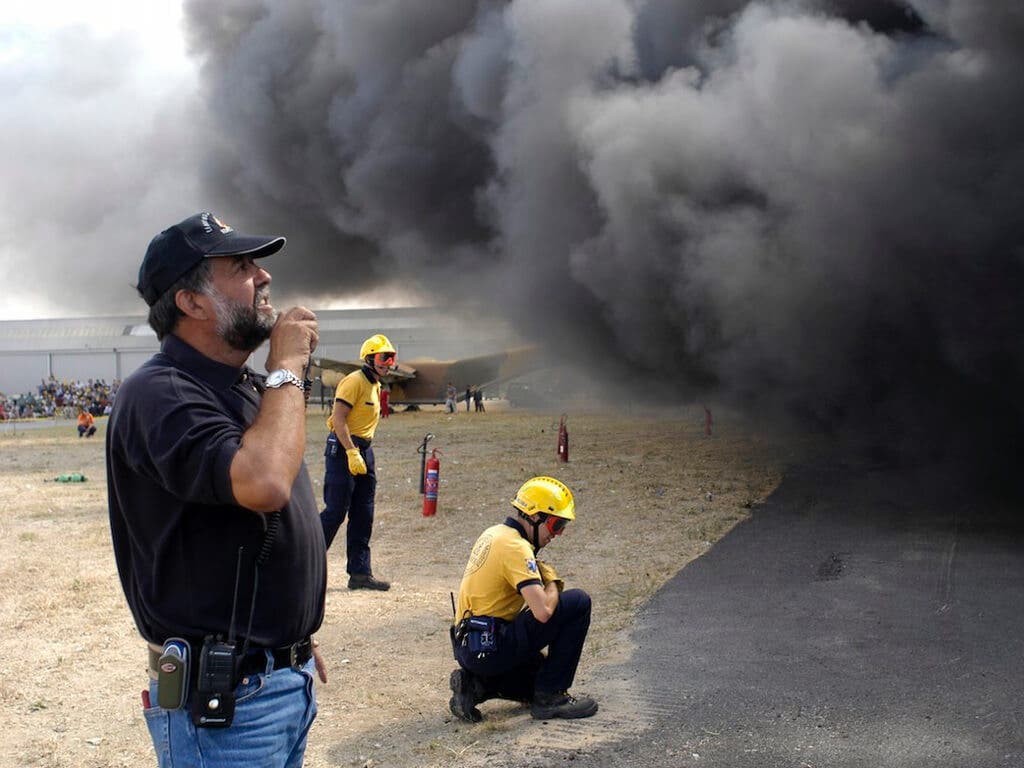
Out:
{"x": 92, "y": 167}
{"x": 809, "y": 206}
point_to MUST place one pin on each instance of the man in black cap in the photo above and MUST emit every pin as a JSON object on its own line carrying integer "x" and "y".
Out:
{"x": 215, "y": 526}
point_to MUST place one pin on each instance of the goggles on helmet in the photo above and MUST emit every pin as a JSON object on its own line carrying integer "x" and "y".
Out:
{"x": 385, "y": 358}
{"x": 556, "y": 525}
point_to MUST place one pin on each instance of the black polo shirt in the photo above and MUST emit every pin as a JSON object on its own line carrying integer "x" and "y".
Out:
{"x": 178, "y": 534}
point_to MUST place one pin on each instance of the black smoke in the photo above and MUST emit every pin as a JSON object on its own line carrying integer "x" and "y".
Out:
{"x": 806, "y": 207}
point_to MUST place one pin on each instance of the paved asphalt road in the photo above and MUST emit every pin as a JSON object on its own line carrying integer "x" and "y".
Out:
{"x": 864, "y": 616}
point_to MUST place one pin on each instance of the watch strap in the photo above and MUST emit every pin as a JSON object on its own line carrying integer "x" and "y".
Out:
{"x": 282, "y": 376}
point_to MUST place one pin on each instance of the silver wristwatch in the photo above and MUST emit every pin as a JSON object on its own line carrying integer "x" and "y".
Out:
{"x": 283, "y": 376}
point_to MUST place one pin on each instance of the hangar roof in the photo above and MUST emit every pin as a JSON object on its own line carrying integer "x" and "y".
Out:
{"x": 416, "y": 331}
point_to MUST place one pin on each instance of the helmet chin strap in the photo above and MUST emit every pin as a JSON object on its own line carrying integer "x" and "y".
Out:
{"x": 536, "y": 529}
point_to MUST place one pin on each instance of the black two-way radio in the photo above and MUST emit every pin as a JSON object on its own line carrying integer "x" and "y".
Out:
{"x": 213, "y": 705}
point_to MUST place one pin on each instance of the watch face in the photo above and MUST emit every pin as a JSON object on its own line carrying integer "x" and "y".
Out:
{"x": 277, "y": 378}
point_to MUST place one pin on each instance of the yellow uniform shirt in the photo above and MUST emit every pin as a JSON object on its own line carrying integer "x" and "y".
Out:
{"x": 501, "y": 563}
{"x": 363, "y": 396}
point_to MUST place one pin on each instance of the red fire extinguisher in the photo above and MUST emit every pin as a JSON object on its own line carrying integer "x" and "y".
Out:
{"x": 563, "y": 440}
{"x": 431, "y": 480}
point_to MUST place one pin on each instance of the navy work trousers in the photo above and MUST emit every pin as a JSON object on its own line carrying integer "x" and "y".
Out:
{"x": 349, "y": 495}
{"x": 517, "y": 669}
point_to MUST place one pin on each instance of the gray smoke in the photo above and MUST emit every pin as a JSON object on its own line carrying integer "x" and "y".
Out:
{"x": 813, "y": 206}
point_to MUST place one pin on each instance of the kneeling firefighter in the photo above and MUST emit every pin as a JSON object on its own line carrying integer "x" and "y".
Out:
{"x": 511, "y": 605}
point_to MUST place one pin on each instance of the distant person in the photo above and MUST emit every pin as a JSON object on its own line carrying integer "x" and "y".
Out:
{"x": 512, "y": 605}
{"x": 86, "y": 423}
{"x": 325, "y": 405}
{"x": 350, "y": 474}
{"x": 478, "y": 400}
{"x": 450, "y": 394}
{"x": 469, "y": 397}
{"x": 212, "y": 513}
{"x": 385, "y": 398}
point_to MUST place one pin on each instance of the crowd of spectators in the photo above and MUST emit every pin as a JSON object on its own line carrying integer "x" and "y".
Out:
{"x": 60, "y": 398}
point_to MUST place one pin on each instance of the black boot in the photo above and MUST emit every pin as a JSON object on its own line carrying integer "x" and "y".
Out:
{"x": 467, "y": 692}
{"x": 367, "y": 581}
{"x": 548, "y": 706}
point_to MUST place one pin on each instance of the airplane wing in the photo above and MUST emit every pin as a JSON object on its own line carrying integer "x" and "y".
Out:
{"x": 331, "y": 372}
{"x": 400, "y": 372}
{"x": 423, "y": 382}
{"x": 485, "y": 372}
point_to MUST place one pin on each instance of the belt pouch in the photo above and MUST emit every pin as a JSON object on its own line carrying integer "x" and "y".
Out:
{"x": 481, "y": 634}
{"x": 172, "y": 673}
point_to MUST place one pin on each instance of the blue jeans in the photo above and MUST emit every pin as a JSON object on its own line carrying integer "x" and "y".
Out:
{"x": 273, "y": 714}
{"x": 352, "y": 496}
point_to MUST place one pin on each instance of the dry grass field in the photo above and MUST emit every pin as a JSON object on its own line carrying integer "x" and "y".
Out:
{"x": 653, "y": 492}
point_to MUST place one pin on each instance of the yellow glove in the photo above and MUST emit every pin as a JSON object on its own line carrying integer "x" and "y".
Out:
{"x": 548, "y": 575}
{"x": 356, "y": 464}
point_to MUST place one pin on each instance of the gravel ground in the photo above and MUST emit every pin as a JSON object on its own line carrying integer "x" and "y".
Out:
{"x": 653, "y": 492}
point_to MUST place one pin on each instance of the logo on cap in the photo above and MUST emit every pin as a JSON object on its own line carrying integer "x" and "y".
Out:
{"x": 206, "y": 218}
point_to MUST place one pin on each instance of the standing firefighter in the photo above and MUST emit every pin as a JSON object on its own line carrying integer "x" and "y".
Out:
{"x": 512, "y": 605}
{"x": 350, "y": 476}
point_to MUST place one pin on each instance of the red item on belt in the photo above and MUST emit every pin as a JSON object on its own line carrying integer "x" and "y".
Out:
{"x": 145, "y": 699}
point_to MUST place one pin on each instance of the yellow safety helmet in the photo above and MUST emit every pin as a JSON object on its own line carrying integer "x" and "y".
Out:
{"x": 376, "y": 343}
{"x": 545, "y": 495}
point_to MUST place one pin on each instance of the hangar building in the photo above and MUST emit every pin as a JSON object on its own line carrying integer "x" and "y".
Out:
{"x": 112, "y": 347}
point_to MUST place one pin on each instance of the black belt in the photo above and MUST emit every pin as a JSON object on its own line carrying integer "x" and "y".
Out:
{"x": 295, "y": 655}
{"x": 255, "y": 660}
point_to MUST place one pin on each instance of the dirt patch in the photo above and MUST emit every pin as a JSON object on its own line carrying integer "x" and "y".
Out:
{"x": 653, "y": 492}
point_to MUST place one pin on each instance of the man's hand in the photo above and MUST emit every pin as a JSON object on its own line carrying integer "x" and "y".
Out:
{"x": 269, "y": 458}
{"x": 292, "y": 341}
{"x": 549, "y": 576}
{"x": 356, "y": 463}
{"x": 318, "y": 662}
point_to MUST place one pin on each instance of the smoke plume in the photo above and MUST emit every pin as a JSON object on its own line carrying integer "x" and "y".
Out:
{"x": 811, "y": 206}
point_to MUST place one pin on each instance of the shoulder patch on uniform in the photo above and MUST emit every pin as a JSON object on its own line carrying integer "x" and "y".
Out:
{"x": 531, "y": 565}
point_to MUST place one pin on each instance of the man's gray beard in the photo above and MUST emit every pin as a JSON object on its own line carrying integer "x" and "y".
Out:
{"x": 243, "y": 327}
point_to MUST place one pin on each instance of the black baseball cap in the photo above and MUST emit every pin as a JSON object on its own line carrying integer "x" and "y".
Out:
{"x": 178, "y": 249}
